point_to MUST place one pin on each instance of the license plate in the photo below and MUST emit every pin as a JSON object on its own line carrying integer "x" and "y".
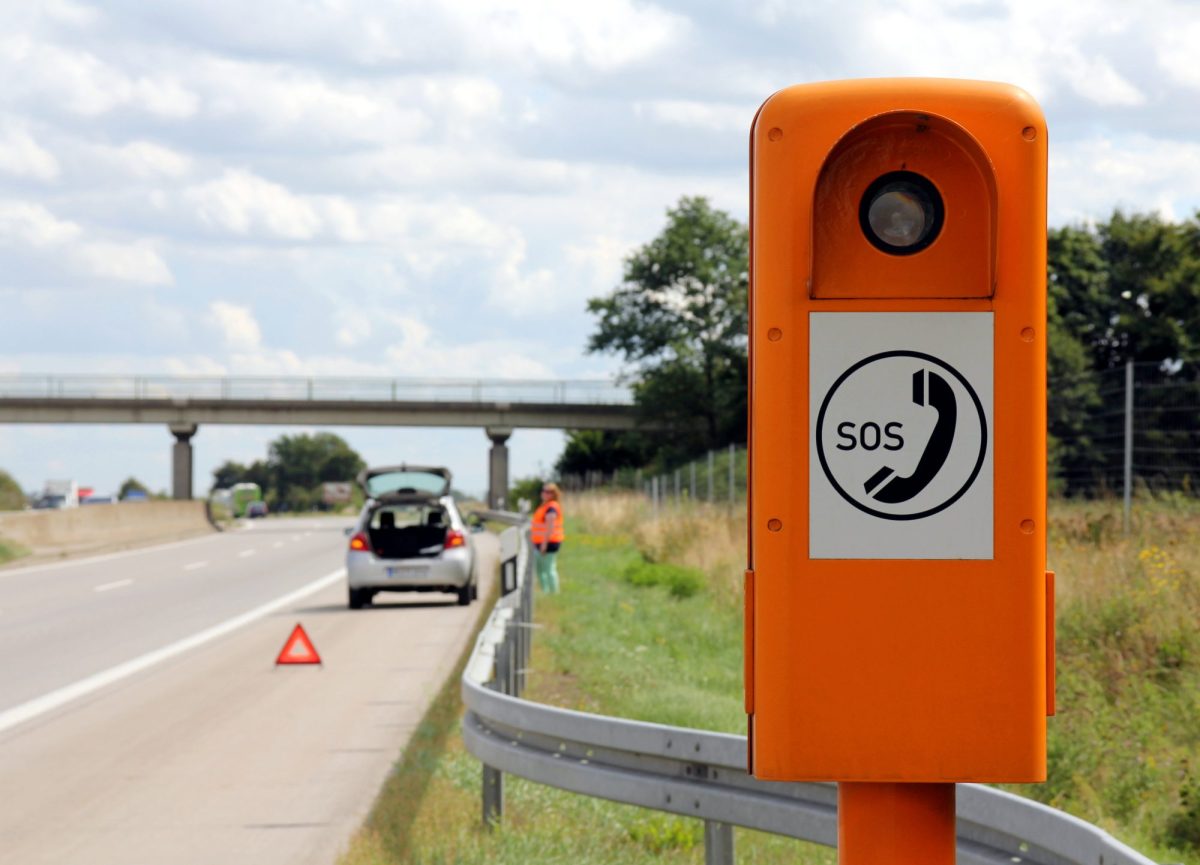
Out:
{"x": 408, "y": 571}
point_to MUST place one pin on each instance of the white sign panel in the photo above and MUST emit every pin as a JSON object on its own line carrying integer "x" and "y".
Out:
{"x": 900, "y": 439}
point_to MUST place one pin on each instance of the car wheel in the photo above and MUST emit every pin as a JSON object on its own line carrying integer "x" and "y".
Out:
{"x": 474, "y": 591}
{"x": 358, "y": 598}
{"x": 465, "y": 594}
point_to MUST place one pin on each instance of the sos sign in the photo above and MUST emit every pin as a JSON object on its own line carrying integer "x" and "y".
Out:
{"x": 897, "y": 601}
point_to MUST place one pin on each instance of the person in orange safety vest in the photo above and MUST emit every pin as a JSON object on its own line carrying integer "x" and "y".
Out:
{"x": 547, "y": 535}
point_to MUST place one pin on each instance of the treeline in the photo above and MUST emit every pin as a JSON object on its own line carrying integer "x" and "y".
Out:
{"x": 1125, "y": 290}
{"x": 294, "y": 470}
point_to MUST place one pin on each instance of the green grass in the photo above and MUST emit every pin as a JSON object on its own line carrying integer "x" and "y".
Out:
{"x": 625, "y": 637}
{"x": 10, "y": 551}
{"x": 1124, "y": 748}
{"x": 648, "y": 626}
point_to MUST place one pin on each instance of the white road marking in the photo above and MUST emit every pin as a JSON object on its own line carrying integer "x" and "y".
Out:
{"x": 193, "y": 566}
{"x": 55, "y": 699}
{"x": 8, "y": 572}
{"x": 115, "y": 584}
{"x": 244, "y": 553}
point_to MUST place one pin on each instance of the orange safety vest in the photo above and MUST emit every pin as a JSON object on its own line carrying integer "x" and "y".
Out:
{"x": 537, "y": 531}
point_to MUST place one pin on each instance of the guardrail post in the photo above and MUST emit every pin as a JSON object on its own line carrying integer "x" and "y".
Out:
{"x": 493, "y": 779}
{"x": 718, "y": 843}
{"x": 493, "y": 796}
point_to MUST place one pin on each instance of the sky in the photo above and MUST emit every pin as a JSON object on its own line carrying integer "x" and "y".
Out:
{"x": 416, "y": 189}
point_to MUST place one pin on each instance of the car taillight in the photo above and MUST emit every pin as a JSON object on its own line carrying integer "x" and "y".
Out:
{"x": 454, "y": 539}
{"x": 359, "y": 542}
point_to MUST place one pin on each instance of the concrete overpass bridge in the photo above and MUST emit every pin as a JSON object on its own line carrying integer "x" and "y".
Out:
{"x": 184, "y": 403}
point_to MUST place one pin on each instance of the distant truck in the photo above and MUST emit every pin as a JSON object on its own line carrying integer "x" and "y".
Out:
{"x": 58, "y": 494}
{"x": 243, "y": 495}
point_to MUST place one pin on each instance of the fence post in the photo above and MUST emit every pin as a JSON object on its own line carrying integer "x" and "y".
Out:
{"x": 676, "y": 487}
{"x": 718, "y": 843}
{"x": 732, "y": 455}
{"x": 692, "y": 486}
{"x": 493, "y": 779}
{"x": 710, "y": 477}
{"x": 1128, "y": 443}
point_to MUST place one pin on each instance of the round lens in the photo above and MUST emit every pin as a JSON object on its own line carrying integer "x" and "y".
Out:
{"x": 901, "y": 213}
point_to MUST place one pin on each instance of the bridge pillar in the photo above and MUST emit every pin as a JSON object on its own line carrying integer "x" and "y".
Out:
{"x": 181, "y": 460}
{"x": 498, "y": 466}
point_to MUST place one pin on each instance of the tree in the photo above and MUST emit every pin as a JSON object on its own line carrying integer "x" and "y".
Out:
{"x": 603, "y": 450}
{"x": 12, "y": 497}
{"x": 297, "y": 465}
{"x": 227, "y": 474}
{"x": 679, "y": 319}
{"x": 132, "y": 485}
{"x": 294, "y": 469}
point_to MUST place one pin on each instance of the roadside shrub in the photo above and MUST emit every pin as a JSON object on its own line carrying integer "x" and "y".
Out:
{"x": 679, "y": 581}
{"x": 11, "y": 496}
{"x": 1183, "y": 827}
{"x": 662, "y": 833}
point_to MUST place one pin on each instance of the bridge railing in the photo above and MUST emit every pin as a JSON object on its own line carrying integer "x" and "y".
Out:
{"x": 316, "y": 388}
{"x": 701, "y": 774}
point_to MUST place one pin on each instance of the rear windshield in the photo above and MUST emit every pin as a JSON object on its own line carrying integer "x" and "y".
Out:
{"x": 405, "y": 482}
{"x": 401, "y": 516}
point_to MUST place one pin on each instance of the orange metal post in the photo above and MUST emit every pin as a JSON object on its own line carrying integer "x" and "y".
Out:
{"x": 895, "y": 824}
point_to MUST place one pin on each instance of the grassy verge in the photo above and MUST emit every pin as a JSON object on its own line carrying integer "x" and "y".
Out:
{"x": 648, "y": 626}
{"x": 627, "y": 636}
{"x": 10, "y": 551}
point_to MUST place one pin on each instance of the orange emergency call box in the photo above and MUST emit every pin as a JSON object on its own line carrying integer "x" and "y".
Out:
{"x": 898, "y": 608}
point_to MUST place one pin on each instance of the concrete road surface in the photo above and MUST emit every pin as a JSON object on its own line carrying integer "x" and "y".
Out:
{"x": 142, "y": 718}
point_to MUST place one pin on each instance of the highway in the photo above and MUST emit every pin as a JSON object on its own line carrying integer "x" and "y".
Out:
{"x": 142, "y": 718}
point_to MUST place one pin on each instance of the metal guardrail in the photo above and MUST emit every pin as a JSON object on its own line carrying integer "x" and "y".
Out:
{"x": 701, "y": 774}
{"x": 328, "y": 389}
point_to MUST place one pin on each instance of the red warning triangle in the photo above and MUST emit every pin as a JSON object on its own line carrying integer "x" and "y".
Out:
{"x": 298, "y": 649}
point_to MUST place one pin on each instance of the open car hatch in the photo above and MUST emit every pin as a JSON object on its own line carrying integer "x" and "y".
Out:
{"x": 404, "y": 481}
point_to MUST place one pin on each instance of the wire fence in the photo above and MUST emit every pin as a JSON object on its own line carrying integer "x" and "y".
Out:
{"x": 719, "y": 477}
{"x": 1128, "y": 433}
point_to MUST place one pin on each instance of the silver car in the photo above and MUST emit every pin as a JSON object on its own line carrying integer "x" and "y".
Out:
{"x": 409, "y": 537}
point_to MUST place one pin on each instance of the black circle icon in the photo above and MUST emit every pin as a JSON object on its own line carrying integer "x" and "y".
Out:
{"x": 901, "y": 213}
{"x": 925, "y": 358}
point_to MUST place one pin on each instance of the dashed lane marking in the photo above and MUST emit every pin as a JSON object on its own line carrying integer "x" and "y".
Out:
{"x": 115, "y": 584}
{"x": 61, "y": 697}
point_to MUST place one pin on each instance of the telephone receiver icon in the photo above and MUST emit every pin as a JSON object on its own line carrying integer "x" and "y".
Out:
{"x": 940, "y": 397}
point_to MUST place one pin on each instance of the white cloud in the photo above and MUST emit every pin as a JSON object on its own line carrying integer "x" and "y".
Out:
{"x": 87, "y": 85}
{"x": 354, "y": 328}
{"x": 147, "y": 160}
{"x": 305, "y": 109}
{"x": 63, "y": 243}
{"x": 236, "y": 324}
{"x": 244, "y": 204}
{"x": 715, "y": 117}
{"x": 124, "y": 262}
{"x": 1177, "y": 53}
{"x": 416, "y": 354}
{"x": 68, "y": 12}
{"x": 22, "y": 156}
{"x": 1089, "y": 178}
{"x": 25, "y": 222}
{"x": 601, "y": 36}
